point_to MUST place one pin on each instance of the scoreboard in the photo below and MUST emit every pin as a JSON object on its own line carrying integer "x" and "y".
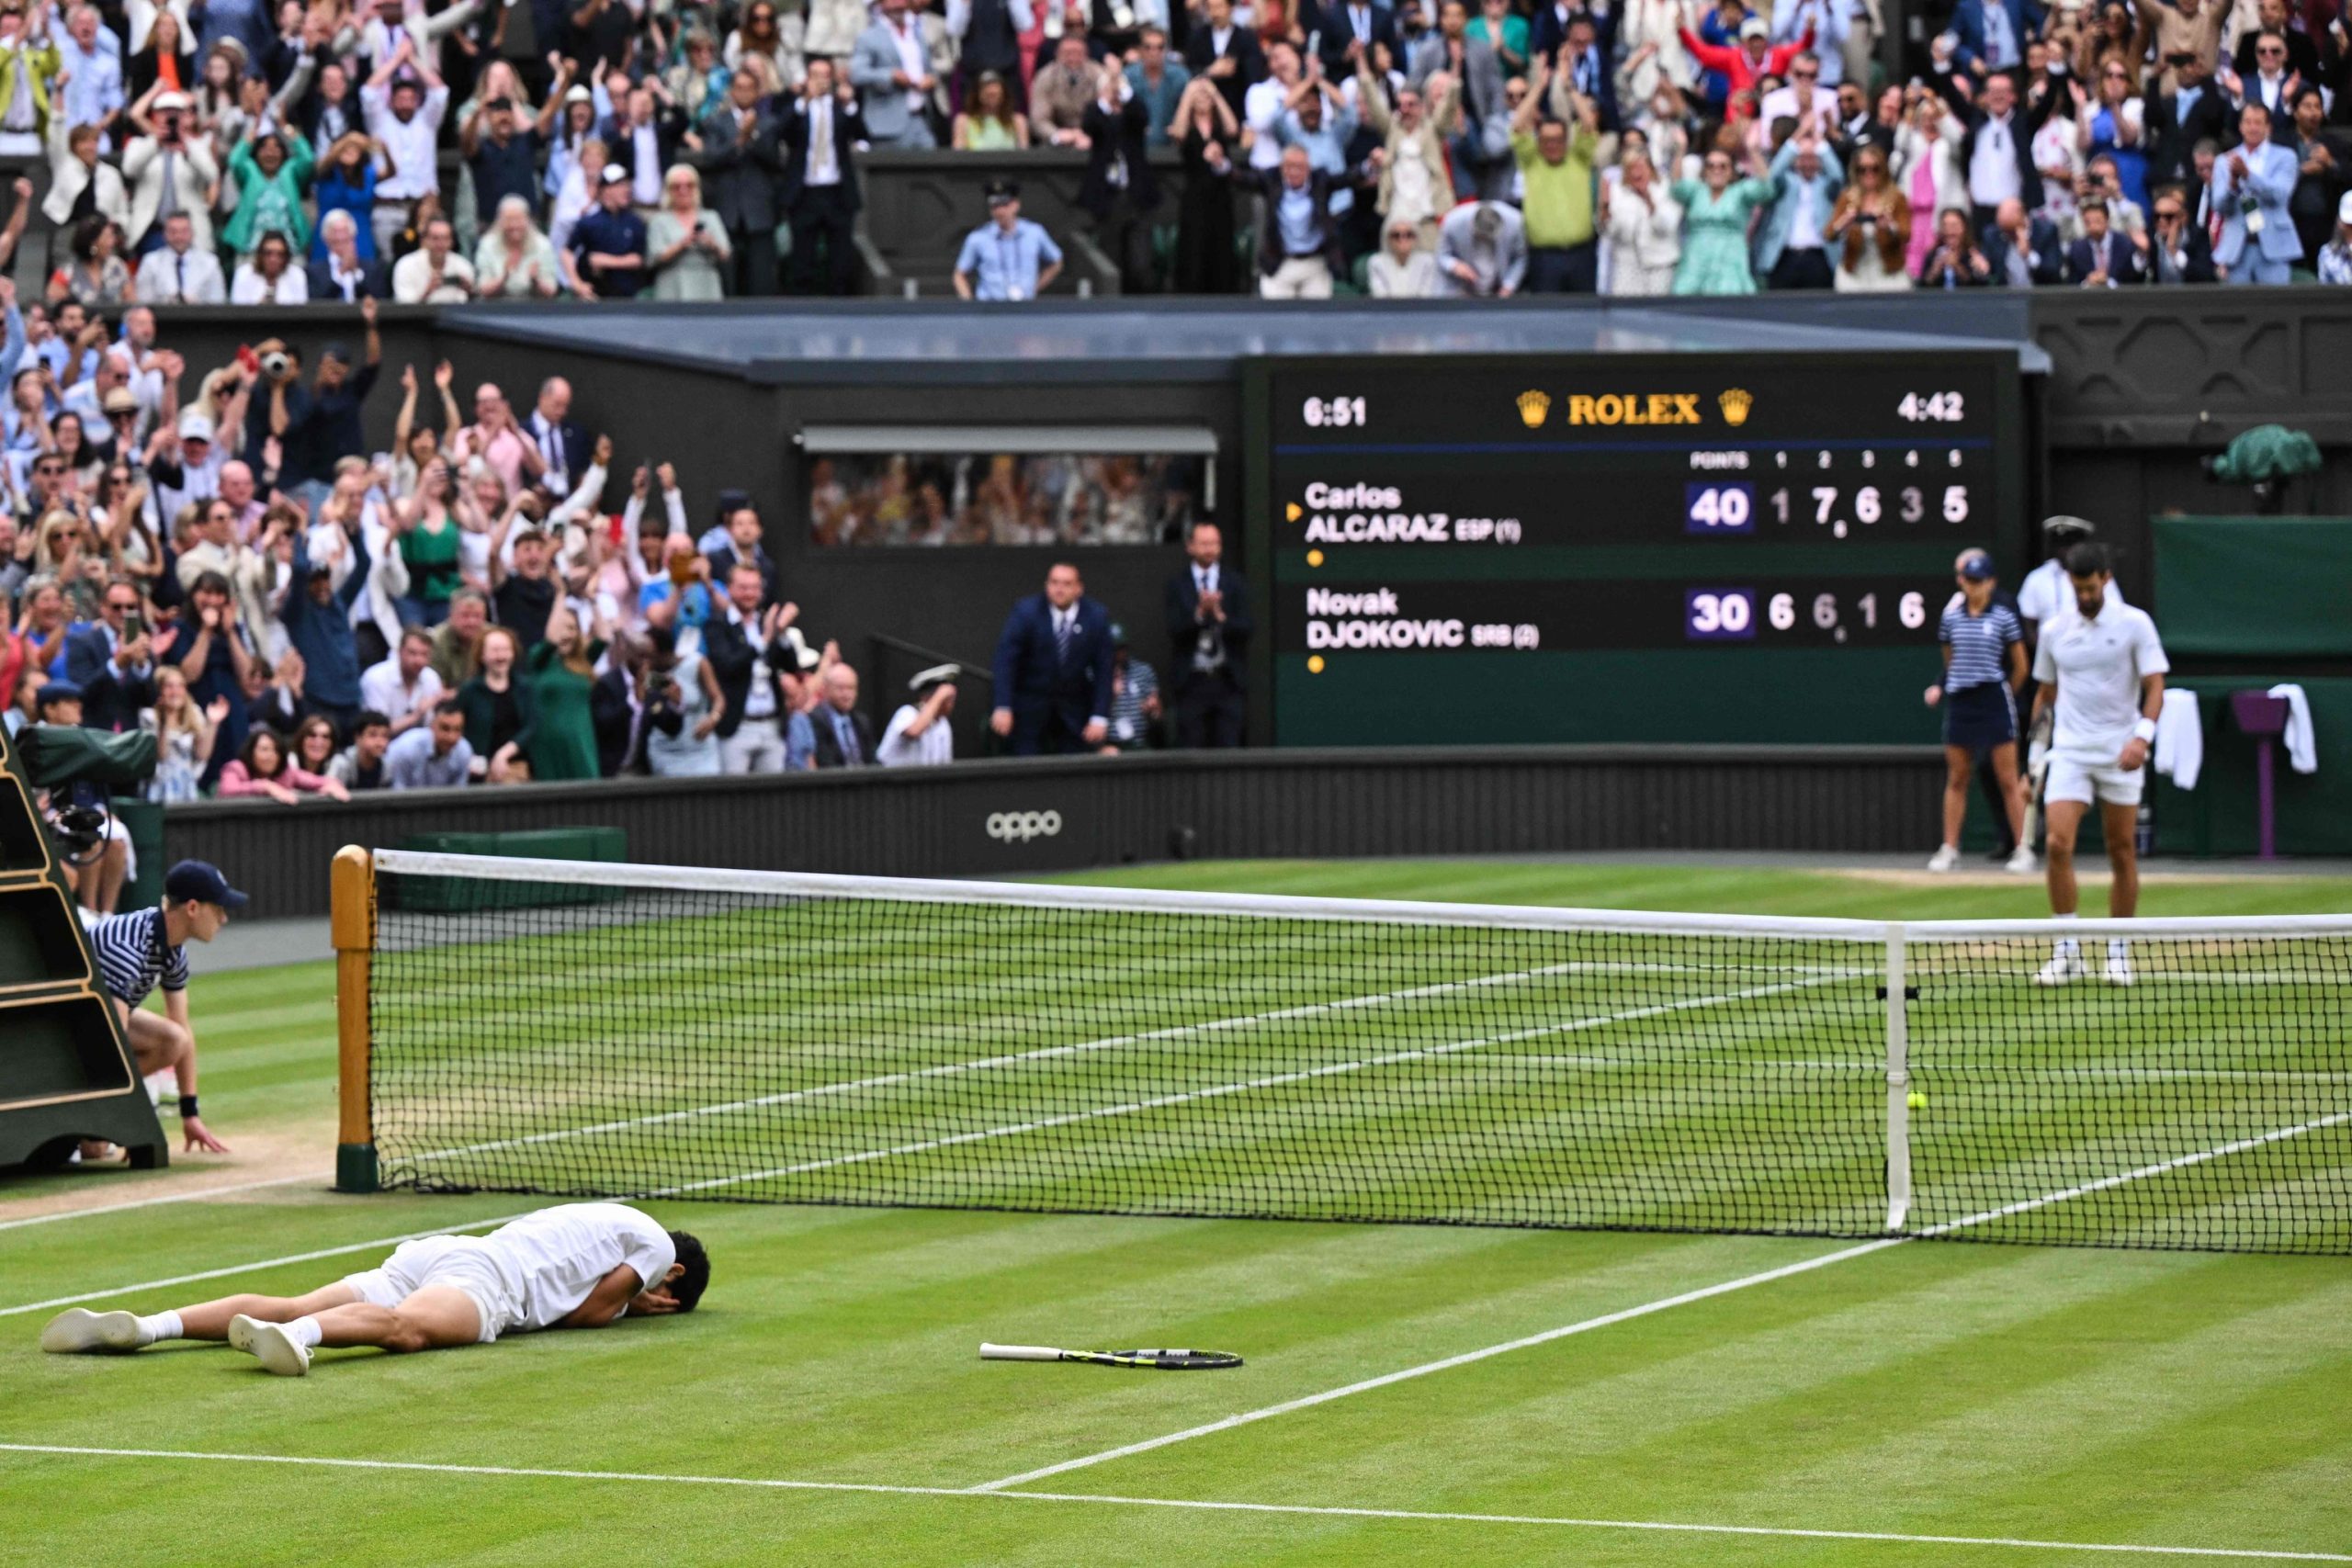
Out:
{"x": 1660, "y": 548}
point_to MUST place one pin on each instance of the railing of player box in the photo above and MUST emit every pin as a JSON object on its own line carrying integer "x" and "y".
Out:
{"x": 592, "y": 1029}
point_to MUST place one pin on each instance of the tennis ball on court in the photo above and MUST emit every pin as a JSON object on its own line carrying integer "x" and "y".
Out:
{"x": 1916, "y": 1099}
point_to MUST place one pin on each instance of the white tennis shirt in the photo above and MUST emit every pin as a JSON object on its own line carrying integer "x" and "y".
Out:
{"x": 550, "y": 1260}
{"x": 2098, "y": 665}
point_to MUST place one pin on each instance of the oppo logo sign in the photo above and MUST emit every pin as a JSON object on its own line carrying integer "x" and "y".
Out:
{"x": 1020, "y": 827}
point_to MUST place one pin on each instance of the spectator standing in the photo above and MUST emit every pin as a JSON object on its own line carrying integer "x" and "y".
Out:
{"x": 561, "y": 672}
{"x": 918, "y": 735}
{"x": 820, "y": 185}
{"x": 991, "y": 31}
{"x": 1555, "y": 168}
{"x": 457, "y": 637}
{"x": 346, "y": 183}
{"x": 432, "y": 756}
{"x": 684, "y": 709}
{"x": 1226, "y": 53}
{"x": 171, "y": 173}
{"x": 1870, "y": 226}
{"x": 80, "y": 181}
{"x": 1009, "y": 257}
{"x": 1059, "y": 95}
{"x": 1996, "y": 150}
{"x": 403, "y": 102}
{"x": 1416, "y": 172}
{"x": 1792, "y": 249}
{"x": 113, "y": 662}
{"x": 504, "y": 153}
{"x": 747, "y": 650}
{"x": 1208, "y": 258}
{"x": 741, "y": 159}
{"x": 317, "y": 617}
{"x": 1161, "y": 83}
{"x": 498, "y": 709}
{"x": 1053, "y": 670}
{"x": 1402, "y": 270}
{"x": 1717, "y": 211}
{"x": 361, "y": 765}
{"x": 2320, "y": 175}
{"x": 28, "y": 67}
{"x": 1209, "y": 626}
{"x": 1644, "y": 226}
{"x": 685, "y": 244}
{"x": 1298, "y": 243}
{"x": 1482, "y": 251}
{"x": 608, "y": 243}
{"x": 844, "y": 735}
{"x": 1120, "y": 191}
{"x": 1928, "y": 170}
{"x": 527, "y": 594}
{"x": 272, "y": 171}
{"x": 183, "y": 739}
{"x": 892, "y": 67}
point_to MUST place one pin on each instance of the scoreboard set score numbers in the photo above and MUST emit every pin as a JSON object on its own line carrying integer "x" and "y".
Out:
{"x": 1688, "y": 548}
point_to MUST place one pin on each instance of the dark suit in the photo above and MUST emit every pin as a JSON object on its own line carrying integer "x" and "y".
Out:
{"x": 620, "y": 142}
{"x": 735, "y": 663}
{"x": 829, "y": 746}
{"x": 2195, "y": 263}
{"x": 1209, "y": 703}
{"x": 2025, "y": 121}
{"x": 2171, "y": 136}
{"x": 2302, "y": 58}
{"x": 620, "y": 736}
{"x": 112, "y": 695}
{"x": 571, "y": 440}
{"x": 1241, "y": 48}
{"x": 821, "y": 213}
{"x": 1339, "y": 31}
{"x": 1054, "y": 691}
{"x": 373, "y": 282}
{"x": 741, "y": 181}
{"x": 1120, "y": 190}
{"x": 2118, "y": 258}
{"x": 2047, "y": 265}
{"x": 1267, "y": 184}
{"x": 1600, "y": 86}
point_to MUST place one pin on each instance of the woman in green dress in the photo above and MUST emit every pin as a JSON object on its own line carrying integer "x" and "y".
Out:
{"x": 685, "y": 244}
{"x": 562, "y": 743}
{"x": 1717, "y": 211}
{"x": 989, "y": 123}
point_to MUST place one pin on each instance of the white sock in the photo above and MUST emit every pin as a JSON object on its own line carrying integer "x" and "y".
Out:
{"x": 305, "y": 1331}
{"x": 2118, "y": 947}
{"x": 2066, "y": 946}
{"x": 162, "y": 1326}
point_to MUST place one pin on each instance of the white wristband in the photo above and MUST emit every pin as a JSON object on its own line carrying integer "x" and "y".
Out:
{"x": 2145, "y": 731}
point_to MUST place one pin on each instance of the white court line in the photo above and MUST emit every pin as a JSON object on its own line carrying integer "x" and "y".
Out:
{"x": 257, "y": 1265}
{"x": 1216, "y": 1091}
{"x": 1412, "y": 1516}
{"x": 1646, "y": 1308}
{"x": 166, "y": 1198}
{"x": 1113, "y": 1042}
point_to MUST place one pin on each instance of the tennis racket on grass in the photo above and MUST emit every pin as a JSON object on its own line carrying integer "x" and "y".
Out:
{"x": 1162, "y": 1361}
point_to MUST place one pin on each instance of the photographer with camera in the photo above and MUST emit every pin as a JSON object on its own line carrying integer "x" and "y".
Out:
{"x": 147, "y": 948}
{"x": 173, "y": 173}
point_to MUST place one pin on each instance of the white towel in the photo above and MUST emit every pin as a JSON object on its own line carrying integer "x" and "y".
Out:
{"x": 2303, "y": 752}
{"x": 2180, "y": 739}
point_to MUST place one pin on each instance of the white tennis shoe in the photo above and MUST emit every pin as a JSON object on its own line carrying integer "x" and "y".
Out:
{"x": 78, "y": 1331}
{"x": 2064, "y": 969}
{"x": 2119, "y": 969}
{"x": 2023, "y": 863}
{"x": 1945, "y": 859}
{"x": 278, "y": 1351}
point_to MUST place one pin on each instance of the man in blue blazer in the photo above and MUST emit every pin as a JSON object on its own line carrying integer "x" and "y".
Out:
{"x": 1053, "y": 670}
{"x": 2102, "y": 258}
{"x": 113, "y": 662}
{"x": 2023, "y": 249}
{"x": 1988, "y": 41}
{"x": 2252, "y": 182}
{"x": 1805, "y": 177}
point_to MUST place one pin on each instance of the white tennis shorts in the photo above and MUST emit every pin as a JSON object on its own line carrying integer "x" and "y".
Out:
{"x": 2078, "y": 781}
{"x": 460, "y": 1262}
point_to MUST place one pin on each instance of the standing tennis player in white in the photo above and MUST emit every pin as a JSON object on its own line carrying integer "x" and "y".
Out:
{"x": 575, "y": 1266}
{"x": 2102, "y": 667}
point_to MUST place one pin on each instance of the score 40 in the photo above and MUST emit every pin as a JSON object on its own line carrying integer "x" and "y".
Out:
{"x": 1723, "y": 614}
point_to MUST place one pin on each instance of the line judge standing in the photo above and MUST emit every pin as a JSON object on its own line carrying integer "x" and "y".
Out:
{"x": 1053, "y": 670}
{"x": 2102, "y": 671}
{"x": 1208, "y": 622}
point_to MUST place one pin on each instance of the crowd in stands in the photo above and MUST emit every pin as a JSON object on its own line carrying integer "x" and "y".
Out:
{"x": 230, "y": 151}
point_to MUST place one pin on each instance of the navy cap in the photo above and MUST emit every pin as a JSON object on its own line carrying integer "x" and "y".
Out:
{"x": 59, "y": 691}
{"x": 202, "y": 881}
{"x": 1977, "y": 566}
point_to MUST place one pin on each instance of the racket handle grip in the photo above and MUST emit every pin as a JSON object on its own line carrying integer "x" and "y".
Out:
{"x": 1019, "y": 1353}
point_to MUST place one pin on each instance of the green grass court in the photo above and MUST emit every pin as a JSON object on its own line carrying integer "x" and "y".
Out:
{"x": 1814, "y": 1401}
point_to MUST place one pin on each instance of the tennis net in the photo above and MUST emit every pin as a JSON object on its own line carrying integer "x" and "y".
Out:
{"x": 591, "y": 1029}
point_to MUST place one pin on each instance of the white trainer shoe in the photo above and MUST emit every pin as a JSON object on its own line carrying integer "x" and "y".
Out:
{"x": 278, "y": 1351}
{"x": 2064, "y": 969}
{"x": 2119, "y": 969}
{"x": 78, "y": 1331}
{"x": 1946, "y": 858}
{"x": 2023, "y": 863}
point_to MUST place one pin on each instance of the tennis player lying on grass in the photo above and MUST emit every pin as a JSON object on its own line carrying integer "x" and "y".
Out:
{"x": 574, "y": 1266}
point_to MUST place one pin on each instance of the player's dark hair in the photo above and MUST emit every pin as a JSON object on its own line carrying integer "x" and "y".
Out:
{"x": 2087, "y": 560}
{"x": 689, "y": 1286}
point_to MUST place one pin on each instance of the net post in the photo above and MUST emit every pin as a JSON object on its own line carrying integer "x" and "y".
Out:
{"x": 352, "y": 919}
{"x": 1898, "y": 1081}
